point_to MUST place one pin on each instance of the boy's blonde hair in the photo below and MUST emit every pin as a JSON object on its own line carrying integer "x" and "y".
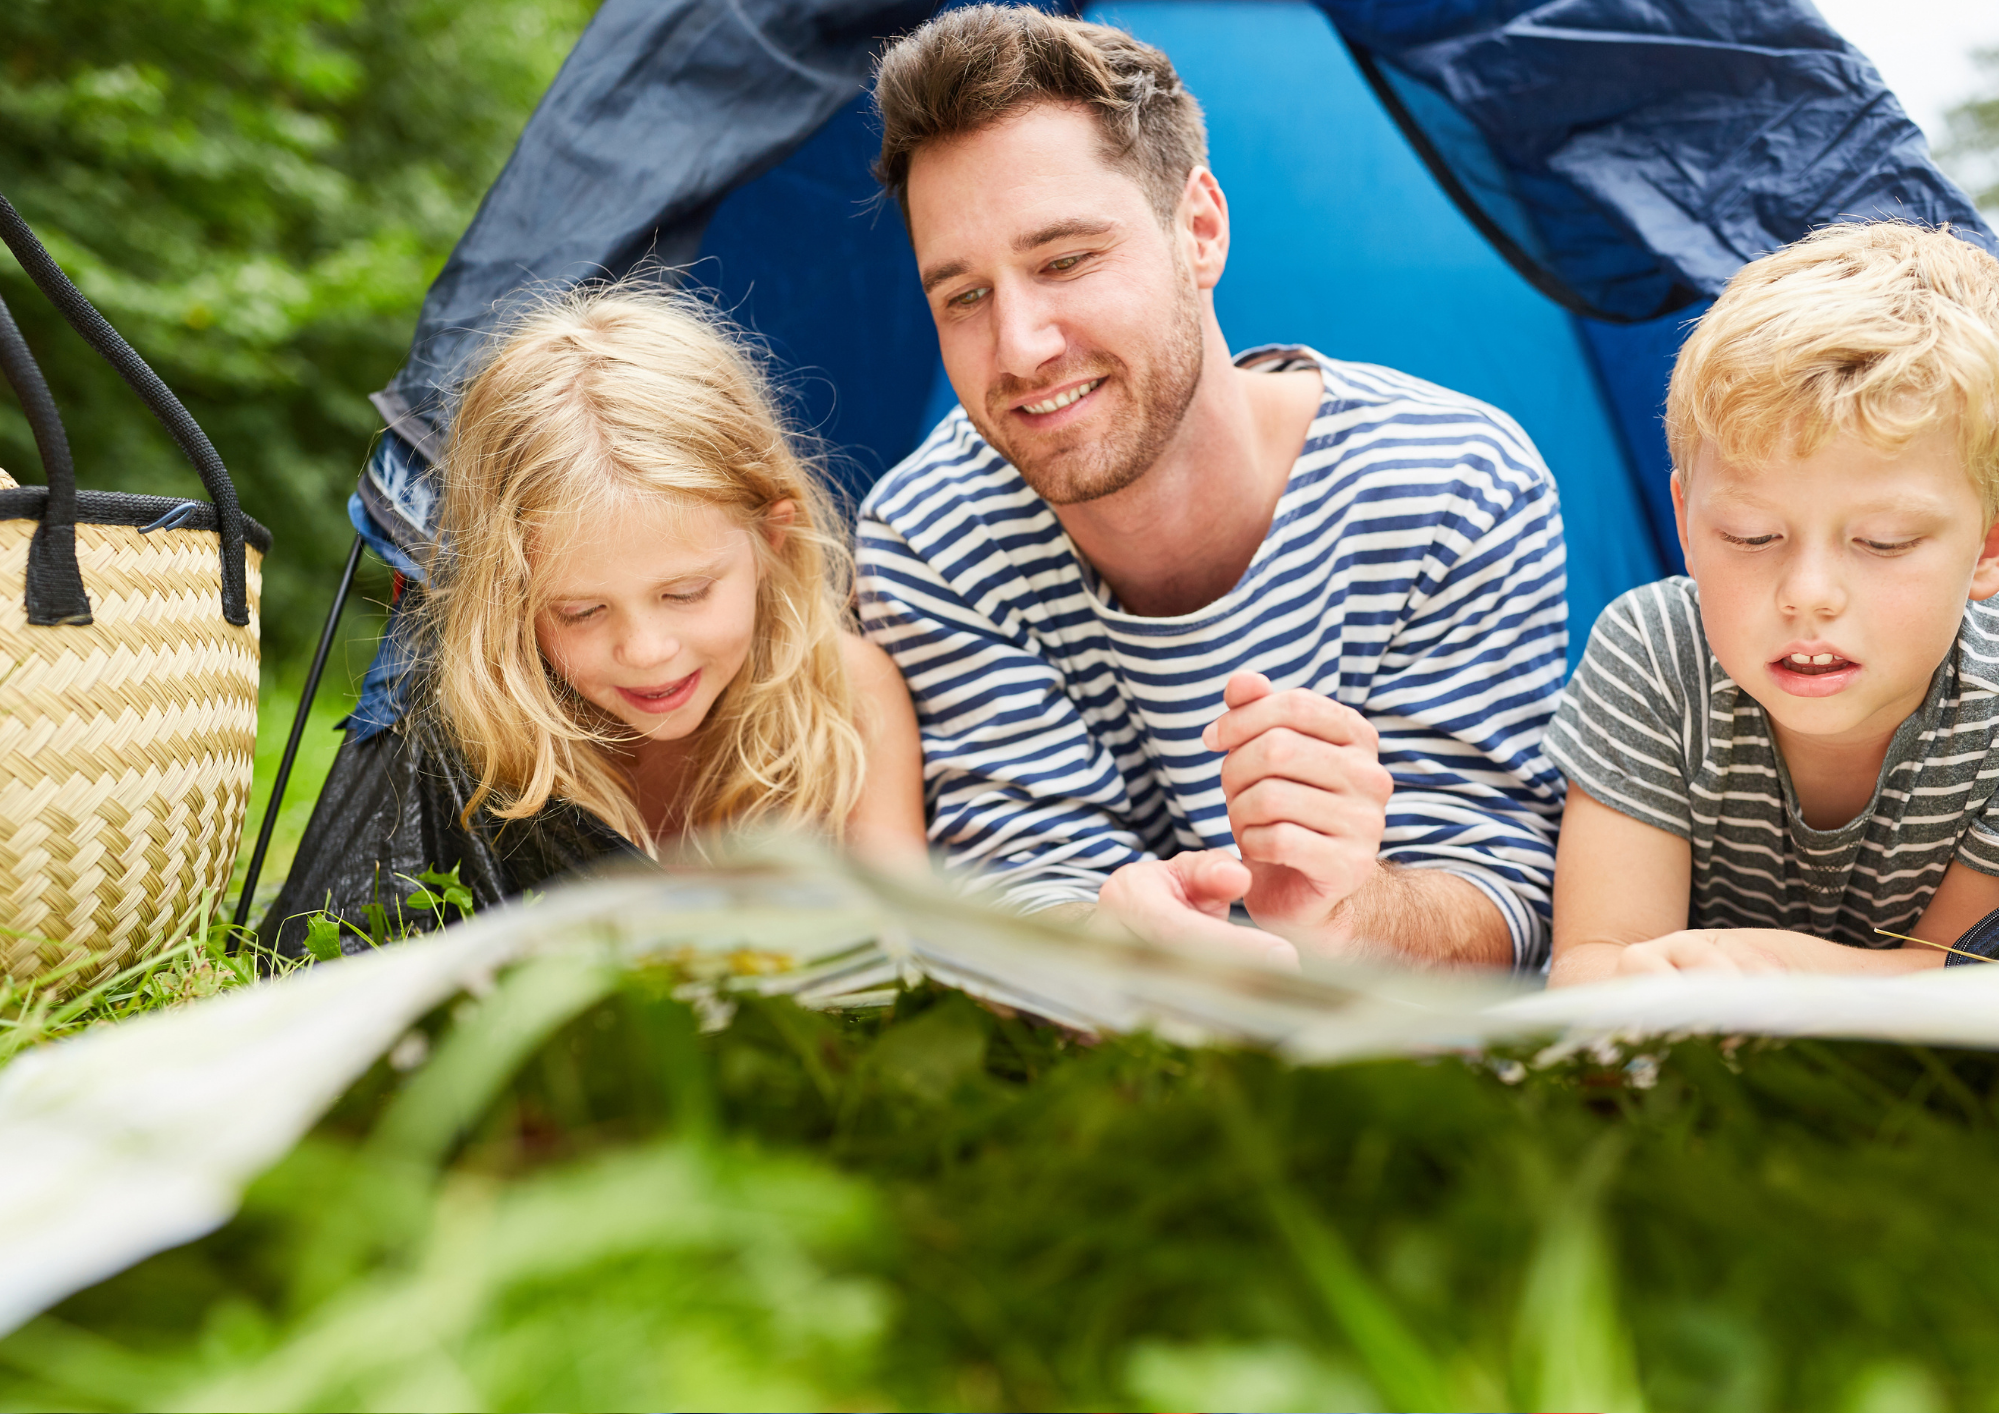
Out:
{"x": 589, "y": 400}
{"x": 1883, "y": 329}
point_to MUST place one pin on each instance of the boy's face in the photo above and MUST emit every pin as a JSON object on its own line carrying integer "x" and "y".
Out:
{"x": 1833, "y": 585}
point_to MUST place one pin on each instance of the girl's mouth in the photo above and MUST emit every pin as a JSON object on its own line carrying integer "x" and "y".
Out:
{"x": 661, "y": 700}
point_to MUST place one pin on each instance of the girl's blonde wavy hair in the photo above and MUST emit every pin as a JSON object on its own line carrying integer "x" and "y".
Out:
{"x": 590, "y": 399}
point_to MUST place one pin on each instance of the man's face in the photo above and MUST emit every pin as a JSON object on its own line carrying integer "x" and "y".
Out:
{"x": 1832, "y": 586}
{"x": 1070, "y": 322}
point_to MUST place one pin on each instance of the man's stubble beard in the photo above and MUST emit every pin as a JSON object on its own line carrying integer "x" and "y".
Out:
{"x": 1087, "y": 468}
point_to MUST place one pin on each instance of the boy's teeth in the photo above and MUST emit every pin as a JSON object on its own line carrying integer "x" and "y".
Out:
{"x": 1822, "y": 657}
{"x": 1063, "y": 400}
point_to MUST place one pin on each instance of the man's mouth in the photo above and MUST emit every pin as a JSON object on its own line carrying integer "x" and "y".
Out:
{"x": 1063, "y": 399}
{"x": 663, "y": 699}
{"x": 1814, "y": 664}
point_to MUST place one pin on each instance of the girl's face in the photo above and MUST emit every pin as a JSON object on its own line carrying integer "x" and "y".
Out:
{"x": 651, "y": 611}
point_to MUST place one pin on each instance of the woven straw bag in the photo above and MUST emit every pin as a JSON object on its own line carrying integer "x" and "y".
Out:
{"x": 128, "y": 680}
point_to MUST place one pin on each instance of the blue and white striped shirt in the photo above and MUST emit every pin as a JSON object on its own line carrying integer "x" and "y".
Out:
{"x": 1413, "y": 570}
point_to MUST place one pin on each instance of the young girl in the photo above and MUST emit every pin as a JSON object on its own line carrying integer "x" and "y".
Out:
{"x": 638, "y": 608}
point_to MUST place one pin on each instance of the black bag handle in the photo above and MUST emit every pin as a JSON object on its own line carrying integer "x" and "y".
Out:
{"x": 55, "y": 588}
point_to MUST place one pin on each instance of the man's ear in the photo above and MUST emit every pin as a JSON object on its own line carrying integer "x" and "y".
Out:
{"x": 1204, "y": 215}
{"x": 1680, "y": 511}
{"x": 777, "y": 522}
{"x": 1986, "y": 574}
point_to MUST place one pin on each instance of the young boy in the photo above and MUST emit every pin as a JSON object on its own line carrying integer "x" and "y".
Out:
{"x": 1779, "y": 760}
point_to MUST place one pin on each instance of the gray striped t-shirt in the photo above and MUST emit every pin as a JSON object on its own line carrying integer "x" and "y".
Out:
{"x": 1652, "y": 726}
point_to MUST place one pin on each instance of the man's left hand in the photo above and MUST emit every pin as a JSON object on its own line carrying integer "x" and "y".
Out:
{"x": 1308, "y": 801}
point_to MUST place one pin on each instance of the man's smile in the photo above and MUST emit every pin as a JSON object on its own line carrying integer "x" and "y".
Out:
{"x": 1062, "y": 398}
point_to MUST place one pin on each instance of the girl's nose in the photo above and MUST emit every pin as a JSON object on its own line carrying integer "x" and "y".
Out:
{"x": 647, "y": 646}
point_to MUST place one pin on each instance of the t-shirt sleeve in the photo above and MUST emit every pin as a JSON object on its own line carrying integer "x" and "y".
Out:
{"x": 1018, "y": 789}
{"x": 1626, "y": 730}
{"x": 1462, "y": 695}
{"x": 1979, "y": 846}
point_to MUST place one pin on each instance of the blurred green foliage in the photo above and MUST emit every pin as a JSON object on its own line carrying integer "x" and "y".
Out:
{"x": 562, "y": 1195}
{"x": 256, "y": 193}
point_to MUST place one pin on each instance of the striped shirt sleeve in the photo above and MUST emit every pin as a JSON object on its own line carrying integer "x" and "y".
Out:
{"x": 1625, "y": 728}
{"x": 1017, "y": 786}
{"x": 1462, "y": 694}
{"x": 1980, "y": 847}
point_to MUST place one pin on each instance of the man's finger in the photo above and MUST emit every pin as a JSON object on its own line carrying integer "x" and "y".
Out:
{"x": 1244, "y": 688}
{"x": 1286, "y": 755}
{"x": 1211, "y": 878}
{"x": 1307, "y": 713}
{"x": 1324, "y": 858}
{"x": 1346, "y": 814}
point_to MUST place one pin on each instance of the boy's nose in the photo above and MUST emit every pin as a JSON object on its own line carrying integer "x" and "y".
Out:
{"x": 1812, "y": 584}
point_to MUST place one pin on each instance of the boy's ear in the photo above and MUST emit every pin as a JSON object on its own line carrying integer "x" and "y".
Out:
{"x": 1680, "y": 512}
{"x": 1986, "y": 574}
{"x": 778, "y": 518}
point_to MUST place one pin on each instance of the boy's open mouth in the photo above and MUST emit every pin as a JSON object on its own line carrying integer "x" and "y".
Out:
{"x": 1813, "y": 664}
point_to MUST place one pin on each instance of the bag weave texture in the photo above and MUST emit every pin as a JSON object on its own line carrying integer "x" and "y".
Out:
{"x": 125, "y": 749}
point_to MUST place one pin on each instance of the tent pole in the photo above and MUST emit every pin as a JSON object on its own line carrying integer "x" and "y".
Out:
{"x": 244, "y": 899}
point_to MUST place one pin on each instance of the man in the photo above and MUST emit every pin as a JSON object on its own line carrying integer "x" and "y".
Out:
{"x": 1158, "y": 608}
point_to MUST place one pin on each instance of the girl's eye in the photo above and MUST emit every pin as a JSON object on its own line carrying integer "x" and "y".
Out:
{"x": 577, "y": 616}
{"x": 692, "y": 595}
{"x": 1751, "y": 540}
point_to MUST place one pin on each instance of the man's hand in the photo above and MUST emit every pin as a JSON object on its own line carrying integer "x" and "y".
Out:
{"x": 1186, "y": 899}
{"x": 1307, "y": 797}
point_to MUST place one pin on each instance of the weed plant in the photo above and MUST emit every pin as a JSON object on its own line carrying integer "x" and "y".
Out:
{"x": 565, "y": 1195}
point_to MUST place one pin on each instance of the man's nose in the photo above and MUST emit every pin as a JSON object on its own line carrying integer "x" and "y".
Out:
{"x": 1027, "y": 335}
{"x": 1812, "y": 584}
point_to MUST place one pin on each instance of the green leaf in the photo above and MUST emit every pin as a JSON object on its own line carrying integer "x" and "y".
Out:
{"x": 323, "y": 936}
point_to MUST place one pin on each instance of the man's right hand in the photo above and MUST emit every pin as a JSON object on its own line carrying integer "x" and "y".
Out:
{"x": 1186, "y": 899}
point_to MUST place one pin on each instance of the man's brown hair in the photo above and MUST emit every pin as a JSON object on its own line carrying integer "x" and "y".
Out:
{"x": 970, "y": 68}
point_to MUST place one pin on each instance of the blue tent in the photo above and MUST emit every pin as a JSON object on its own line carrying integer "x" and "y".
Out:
{"x": 1524, "y": 202}
{"x": 1521, "y": 201}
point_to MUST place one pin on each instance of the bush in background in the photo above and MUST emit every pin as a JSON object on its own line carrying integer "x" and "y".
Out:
{"x": 256, "y": 193}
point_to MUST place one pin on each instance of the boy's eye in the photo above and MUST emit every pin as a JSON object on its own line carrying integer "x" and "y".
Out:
{"x": 1892, "y": 547}
{"x": 1751, "y": 540}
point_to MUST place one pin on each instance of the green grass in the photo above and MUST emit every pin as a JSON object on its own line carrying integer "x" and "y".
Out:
{"x": 564, "y": 1196}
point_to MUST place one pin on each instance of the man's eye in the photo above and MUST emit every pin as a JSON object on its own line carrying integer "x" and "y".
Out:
{"x": 968, "y": 299}
{"x": 1752, "y": 540}
{"x": 1067, "y": 262}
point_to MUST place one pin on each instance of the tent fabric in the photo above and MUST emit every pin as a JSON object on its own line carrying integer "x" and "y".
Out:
{"x": 1642, "y": 150}
{"x": 1624, "y": 156}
